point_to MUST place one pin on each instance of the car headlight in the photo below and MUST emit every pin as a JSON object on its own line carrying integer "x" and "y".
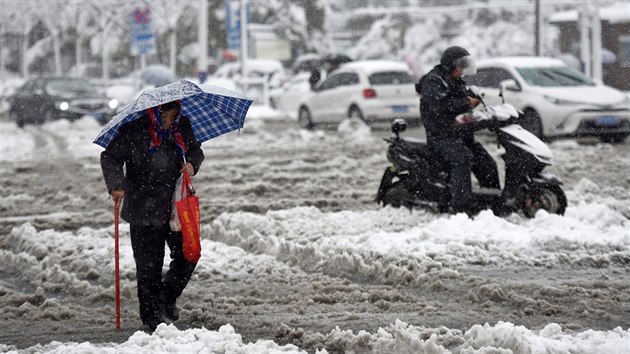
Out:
{"x": 113, "y": 103}
{"x": 63, "y": 105}
{"x": 560, "y": 101}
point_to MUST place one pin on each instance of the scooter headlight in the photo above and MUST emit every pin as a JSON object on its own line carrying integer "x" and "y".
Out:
{"x": 113, "y": 103}
{"x": 63, "y": 105}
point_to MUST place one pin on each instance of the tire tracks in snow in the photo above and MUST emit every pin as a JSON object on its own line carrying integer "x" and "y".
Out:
{"x": 53, "y": 189}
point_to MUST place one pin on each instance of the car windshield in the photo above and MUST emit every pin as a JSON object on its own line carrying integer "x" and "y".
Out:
{"x": 390, "y": 78}
{"x": 64, "y": 86}
{"x": 554, "y": 76}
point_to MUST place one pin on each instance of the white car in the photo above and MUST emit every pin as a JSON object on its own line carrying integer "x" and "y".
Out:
{"x": 271, "y": 70}
{"x": 287, "y": 97}
{"x": 370, "y": 90}
{"x": 556, "y": 99}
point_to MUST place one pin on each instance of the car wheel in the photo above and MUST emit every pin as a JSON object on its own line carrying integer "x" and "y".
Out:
{"x": 531, "y": 122}
{"x": 49, "y": 116}
{"x": 304, "y": 118}
{"x": 355, "y": 113}
{"x": 15, "y": 116}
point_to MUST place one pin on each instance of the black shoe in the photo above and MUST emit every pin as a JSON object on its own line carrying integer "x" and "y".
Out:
{"x": 153, "y": 322}
{"x": 469, "y": 211}
{"x": 170, "y": 311}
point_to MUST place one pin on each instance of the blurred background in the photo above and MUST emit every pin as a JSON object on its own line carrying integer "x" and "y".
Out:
{"x": 112, "y": 43}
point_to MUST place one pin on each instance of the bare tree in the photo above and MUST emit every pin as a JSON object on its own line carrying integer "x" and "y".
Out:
{"x": 43, "y": 11}
{"x": 168, "y": 14}
{"x": 108, "y": 16}
{"x": 17, "y": 18}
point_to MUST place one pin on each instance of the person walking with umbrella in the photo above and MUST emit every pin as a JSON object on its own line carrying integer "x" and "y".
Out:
{"x": 156, "y": 138}
{"x": 155, "y": 149}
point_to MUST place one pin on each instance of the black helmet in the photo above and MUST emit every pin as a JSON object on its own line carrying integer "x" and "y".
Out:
{"x": 451, "y": 56}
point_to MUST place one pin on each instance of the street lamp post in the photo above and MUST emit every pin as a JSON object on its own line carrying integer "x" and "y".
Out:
{"x": 202, "y": 38}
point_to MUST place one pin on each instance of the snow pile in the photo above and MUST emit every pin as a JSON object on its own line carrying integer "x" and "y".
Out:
{"x": 376, "y": 247}
{"x": 409, "y": 259}
{"x": 168, "y": 339}
{"x": 501, "y": 338}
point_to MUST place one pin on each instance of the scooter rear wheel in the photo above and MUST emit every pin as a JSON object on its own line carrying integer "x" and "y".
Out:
{"x": 549, "y": 198}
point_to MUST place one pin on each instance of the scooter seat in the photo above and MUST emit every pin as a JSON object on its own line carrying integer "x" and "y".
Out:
{"x": 487, "y": 192}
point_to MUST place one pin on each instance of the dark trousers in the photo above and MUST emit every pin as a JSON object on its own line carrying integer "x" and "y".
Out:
{"x": 148, "y": 251}
{"x": 464, "y": 157}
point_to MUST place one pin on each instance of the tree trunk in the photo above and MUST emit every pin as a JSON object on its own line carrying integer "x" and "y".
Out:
{"x": 57, "y": 49}
{"x": 24, "y": 50}
{"x": 105, "y": 54}
{"x": 173, "y": 49}
{"x": 77, "y": 50}
{"x": 2, "y": 63}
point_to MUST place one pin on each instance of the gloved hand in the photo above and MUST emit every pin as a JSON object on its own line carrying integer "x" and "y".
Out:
{"x": 464, "y": 118}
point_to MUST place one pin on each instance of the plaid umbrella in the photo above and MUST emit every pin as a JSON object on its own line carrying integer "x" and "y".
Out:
{"x": 212, "y": 112}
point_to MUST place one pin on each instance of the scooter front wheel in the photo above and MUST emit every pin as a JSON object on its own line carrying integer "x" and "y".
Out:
{"x": 398, "y": 196}
{"x": 550, "y": 198}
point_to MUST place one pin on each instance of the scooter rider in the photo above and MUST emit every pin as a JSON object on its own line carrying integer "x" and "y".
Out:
{"x": 443, "y": 97}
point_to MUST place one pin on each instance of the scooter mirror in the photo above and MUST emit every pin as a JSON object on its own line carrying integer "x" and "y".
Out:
{"x": 475, "y": 91}
{"x": 399, "y": 125}
{"x": 509, "y": 85}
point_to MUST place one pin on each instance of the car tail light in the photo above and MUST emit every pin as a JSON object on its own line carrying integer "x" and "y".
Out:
{"x": 369, "y": 93}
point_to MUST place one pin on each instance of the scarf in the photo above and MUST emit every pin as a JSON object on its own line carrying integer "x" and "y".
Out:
{"x": 157, "y": 133}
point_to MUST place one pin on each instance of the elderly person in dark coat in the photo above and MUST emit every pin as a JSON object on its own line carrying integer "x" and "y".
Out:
{"x": 154, "y": 149}
{"x": 443, "y": 97}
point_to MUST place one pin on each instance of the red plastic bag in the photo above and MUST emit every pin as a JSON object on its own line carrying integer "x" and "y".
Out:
{"x": 188, "y": 214}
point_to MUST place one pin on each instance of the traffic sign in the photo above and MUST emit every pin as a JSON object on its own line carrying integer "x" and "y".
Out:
{"x": 142, "y": 37}
{"x": 233, "y": 19}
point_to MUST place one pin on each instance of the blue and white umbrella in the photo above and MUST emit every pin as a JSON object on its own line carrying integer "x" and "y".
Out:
{"x": 212, "y": 112}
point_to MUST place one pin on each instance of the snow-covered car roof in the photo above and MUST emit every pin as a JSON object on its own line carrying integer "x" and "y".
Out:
{"x": 264, "y": 66}
{"x": 372, "y": 66}
{"x": 522, "y": 62}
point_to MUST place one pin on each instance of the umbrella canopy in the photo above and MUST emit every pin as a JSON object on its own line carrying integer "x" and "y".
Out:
{"x": 157, "y": 75}
{"x": 212, "y": 112}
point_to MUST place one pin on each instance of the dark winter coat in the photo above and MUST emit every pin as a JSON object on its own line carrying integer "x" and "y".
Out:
{"x": 442, "y": 98}
{"x": 149, "y": 179}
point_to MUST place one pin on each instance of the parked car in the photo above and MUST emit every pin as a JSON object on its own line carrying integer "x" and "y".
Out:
{"x": 47, "y": 99}
{"x": 87, "y": 71}
{"x": 270, "y": 70}
{"x": 370, "y": 90}
{"x": 556, "y": 99}
{"x": 262, "y": 75}
{"x": 287, "y": 97}
{"x": 306, "y": 63}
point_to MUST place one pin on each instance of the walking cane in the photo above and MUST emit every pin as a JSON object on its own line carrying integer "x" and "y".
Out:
{"x": 116, "y": 269}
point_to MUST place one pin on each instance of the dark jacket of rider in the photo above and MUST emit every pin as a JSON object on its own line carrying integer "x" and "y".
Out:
{"x": 442, "y": 99}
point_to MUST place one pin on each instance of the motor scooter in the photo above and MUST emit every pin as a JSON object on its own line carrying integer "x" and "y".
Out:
{"x": 417, "y": 178}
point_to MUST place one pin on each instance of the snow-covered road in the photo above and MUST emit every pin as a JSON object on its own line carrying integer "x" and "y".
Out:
{"x": 296, "y": 252}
